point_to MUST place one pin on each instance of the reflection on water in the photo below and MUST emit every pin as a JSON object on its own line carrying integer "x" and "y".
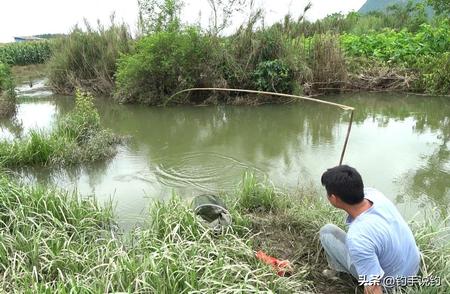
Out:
{"x": 400, "y": 144}
{"x": 31, "y": 114}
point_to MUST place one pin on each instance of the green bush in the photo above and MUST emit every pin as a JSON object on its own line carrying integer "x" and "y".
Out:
{"x": 400, "y": 47}
{"x": 25, "y": 53}
{"x": 273, "y": 76}
{"x": 164, "y": 63}
{"x": 434, "y": 75}
{"x": 245, "y": 50}
{"x": 6, "y": 80}
{"x": 422, "y": 56}
{"x": 83, "y": 121}
{"x": 7, "y": 93}
{"x": 88, "y": 59}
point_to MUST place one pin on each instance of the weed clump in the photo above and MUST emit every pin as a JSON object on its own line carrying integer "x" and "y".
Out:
{"x": 256, "y": 196}
{"x": 88, "y": 59}
{"x": 7, "y": 93}
{"x": 435, "y": 77}
{"x": 77, "y": 137}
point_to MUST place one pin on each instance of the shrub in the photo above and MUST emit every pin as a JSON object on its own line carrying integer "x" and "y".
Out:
{"x": 7, "y": 93}
{"x": 434, "y": 74}
{"x": 400, "y": 47}
{"x": 88, "y": 59}
{"x": 25, "y": 53}
{"x": 245, "y": 50}
{"x": 6, "y": 81}
{"x": 274, "y": 76}
{"x": 164, "y": 63}
{"x": 83, "y": 121}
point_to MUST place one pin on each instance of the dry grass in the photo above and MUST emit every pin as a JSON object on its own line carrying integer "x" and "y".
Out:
{"x": 28, "y": 73}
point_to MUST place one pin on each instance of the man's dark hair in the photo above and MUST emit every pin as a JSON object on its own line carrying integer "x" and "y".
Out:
{"x": 345, "y": 182}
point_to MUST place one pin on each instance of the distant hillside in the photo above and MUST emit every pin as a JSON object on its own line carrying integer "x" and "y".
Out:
{"x": 380, "y": 5}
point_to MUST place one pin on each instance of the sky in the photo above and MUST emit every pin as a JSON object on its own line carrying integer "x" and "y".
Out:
{"x": 32, "y": 17}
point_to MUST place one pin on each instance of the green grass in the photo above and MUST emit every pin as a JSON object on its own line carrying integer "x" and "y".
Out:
{"x": 77, "y": 137}
{"x": 46, "y": 234}
{"x": 257, "y": 196}
{"x": 432, "y": 236}
{"x": 55, "y": 243}
{"x": 52, "y": 242}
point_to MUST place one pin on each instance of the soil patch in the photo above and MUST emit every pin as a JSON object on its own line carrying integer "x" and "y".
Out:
{"x": 284, "y": 238}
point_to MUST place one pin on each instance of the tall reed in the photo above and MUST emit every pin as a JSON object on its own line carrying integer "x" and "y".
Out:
{"x": 87, "y": 59}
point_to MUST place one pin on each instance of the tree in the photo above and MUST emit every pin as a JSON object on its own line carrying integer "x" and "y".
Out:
{"x": 222, "y": 11}
{"x": 441, "y": 7}
{"x": 159, "y": 15}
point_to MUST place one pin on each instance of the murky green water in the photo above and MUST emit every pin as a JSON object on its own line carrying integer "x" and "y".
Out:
{"x": 400, "y": 144}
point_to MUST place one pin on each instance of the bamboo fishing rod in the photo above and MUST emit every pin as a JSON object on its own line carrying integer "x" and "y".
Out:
{"x": 341, "y": 106}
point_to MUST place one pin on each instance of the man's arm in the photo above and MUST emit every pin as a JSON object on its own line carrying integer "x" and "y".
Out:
{"x": 364, "y": 258}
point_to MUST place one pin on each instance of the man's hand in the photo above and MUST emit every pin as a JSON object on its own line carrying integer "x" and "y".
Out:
{"x": 375, "y": 289}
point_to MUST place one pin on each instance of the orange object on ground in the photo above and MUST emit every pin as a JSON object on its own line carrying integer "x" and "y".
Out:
{"x": 282, "y": 267}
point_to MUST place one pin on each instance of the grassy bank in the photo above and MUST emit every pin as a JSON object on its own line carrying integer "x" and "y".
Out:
{"x": 77, "y": 137}
{"x": 399, "y": 50}
{"x": 7, "y": 93}
{"x": 57, "y": 243}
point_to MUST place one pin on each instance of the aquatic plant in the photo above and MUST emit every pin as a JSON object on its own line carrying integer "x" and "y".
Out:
{"x": 77, "y": 137}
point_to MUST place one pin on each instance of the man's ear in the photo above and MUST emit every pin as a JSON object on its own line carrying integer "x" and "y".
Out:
{"x": 334, "y": 200}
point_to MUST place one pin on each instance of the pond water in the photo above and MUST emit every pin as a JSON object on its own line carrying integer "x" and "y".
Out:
{"x": 399, "y": 143}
